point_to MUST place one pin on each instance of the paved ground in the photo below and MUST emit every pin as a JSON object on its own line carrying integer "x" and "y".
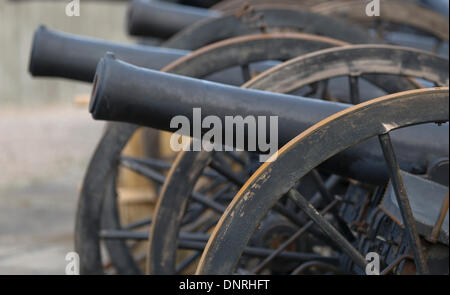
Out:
{"x": 43, "y": 156}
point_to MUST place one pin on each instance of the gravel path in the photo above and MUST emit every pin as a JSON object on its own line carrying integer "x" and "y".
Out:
{"x": 43, "y": 157}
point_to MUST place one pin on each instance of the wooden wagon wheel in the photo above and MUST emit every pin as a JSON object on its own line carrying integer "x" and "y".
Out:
{"x": 99, "y": 183}
{"x": 377, "y": 118}
{"x": 312, "y": 68}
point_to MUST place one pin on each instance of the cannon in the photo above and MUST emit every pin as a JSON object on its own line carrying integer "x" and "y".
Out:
{"x": 108, "y": 159}
{"x": 245, "y": 97}
{"x": 99, "y": 189}
{"x": 225, "y": 54}
{"x": 130, "y": 102}
{"x": 185, "y": 69}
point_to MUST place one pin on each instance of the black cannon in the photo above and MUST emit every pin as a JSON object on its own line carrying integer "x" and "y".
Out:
{"x": 163, "y": 20}
{"x": 57, "y": 54}
{"x": 152, "y": 99}
{"x": 418, "y": 147}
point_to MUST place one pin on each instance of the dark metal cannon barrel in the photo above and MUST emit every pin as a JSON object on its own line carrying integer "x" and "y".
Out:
{"x": 56, "y": 54}
{"x": 260, "y": 18}
{"x": 126, "y": 93}
{"x": 123, "y": 92}
{"x": 162, "y": 19}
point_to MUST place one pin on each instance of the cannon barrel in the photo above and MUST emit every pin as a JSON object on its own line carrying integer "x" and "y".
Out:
{"x": 126, "y": 93}
{"x": 56, "y": 54}
{"x": 162, "y": 20}
{"x": 227, "y": 25}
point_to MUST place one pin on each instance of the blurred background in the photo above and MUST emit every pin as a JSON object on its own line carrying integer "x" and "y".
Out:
{"x": 46, "y": 134}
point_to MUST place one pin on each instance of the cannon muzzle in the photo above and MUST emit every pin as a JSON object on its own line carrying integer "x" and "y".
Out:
{"x": 56, "y": 54}
{"x": 126, "y": 93}
{"x": 162, "y": 20}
